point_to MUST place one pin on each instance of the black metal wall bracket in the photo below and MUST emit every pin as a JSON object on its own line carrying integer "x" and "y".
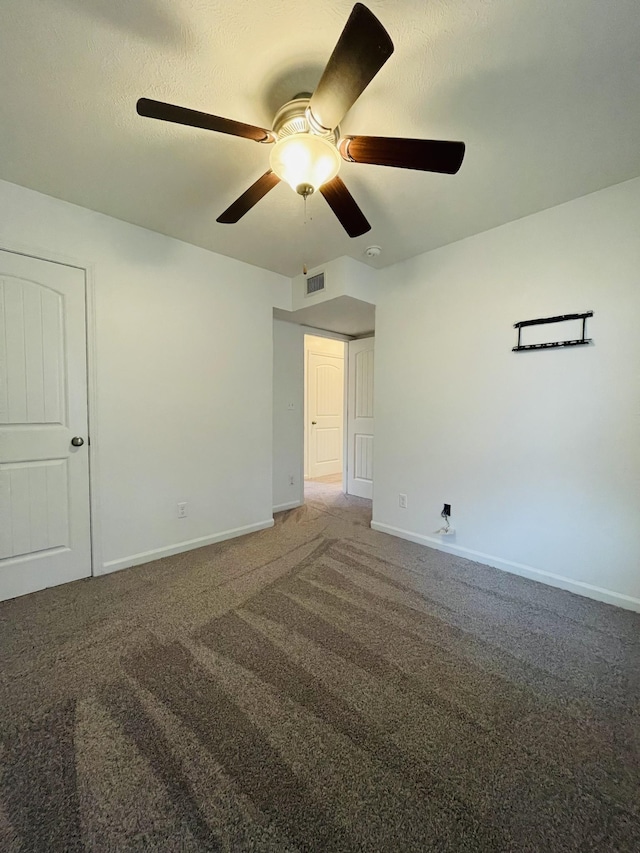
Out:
{"x": 575, "y": 343}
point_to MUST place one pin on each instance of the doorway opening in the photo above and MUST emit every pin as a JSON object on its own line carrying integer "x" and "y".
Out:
{"x": 324, "y": 412}
{"x": 342, "y": 451}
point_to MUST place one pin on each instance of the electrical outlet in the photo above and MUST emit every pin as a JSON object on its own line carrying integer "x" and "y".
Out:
{"x": 182, "y": 509}
{"x": 291, "y": 480}
{"x": 291, "y": 405}
{"x": 402, "y": 500}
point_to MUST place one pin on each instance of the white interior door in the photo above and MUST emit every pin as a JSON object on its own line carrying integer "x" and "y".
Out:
{"x": 44, "y": 478}
{"x": 325, "y": 376}
{"x": 360, "y": 419}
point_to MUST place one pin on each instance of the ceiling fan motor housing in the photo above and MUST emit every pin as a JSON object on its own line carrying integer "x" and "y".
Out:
{"x": 292, "y": 118}
{"x": 304, "y": 158}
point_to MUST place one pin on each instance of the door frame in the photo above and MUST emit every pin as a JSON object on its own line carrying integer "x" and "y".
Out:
{"x": 333, "y": 336}
{"x": 306, "y": 416}
{"x": 88, "y": 269}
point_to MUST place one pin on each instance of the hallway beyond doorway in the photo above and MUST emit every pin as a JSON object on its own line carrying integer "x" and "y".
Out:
{"x": 324, "y": 406}
{"x": 328, "y": 478}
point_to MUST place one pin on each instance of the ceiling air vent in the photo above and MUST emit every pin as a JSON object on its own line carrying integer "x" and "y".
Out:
{"x": 315, "y": 283}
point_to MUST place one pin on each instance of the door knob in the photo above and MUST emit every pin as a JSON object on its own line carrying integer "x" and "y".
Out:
{"x": 77, "y": 441}
{"x": 313, "y": 423}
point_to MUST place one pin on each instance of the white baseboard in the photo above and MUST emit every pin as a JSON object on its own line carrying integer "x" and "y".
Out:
{"x": 290, "y": 505}
{"x": 190, "y": 545}
{"x": 619, "y": 599}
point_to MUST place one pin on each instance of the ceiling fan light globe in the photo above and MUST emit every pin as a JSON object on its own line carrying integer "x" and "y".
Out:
{"x": 304, "y": 158}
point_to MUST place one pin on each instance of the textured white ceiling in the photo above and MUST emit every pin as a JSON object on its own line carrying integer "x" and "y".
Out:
{"x": 544, "y": 93}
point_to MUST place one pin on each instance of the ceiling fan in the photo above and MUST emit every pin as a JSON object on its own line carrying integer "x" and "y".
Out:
{"x": 308, "y": 146}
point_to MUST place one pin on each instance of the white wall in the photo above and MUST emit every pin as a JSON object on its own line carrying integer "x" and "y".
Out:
{"x": 183, "y": 343}
{"x": 538, "y": 452}
{"x": 288, "y": 423}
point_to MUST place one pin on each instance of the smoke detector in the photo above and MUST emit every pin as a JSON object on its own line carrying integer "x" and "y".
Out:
{"x": 372, "y": 251}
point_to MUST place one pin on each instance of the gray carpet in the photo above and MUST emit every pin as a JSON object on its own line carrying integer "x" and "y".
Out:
{"x": 317, "y": 687}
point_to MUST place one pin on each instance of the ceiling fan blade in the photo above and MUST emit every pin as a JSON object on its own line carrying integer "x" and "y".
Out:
{"x": 361, "y": 51}
{"x": 193, "y": 118}
{"x": 428, "y": 155}
{"x": 345, "y": 208}
{"x": 249, "y": 198}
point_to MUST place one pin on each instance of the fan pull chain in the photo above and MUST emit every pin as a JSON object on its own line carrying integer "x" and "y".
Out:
{"x": 304, "y": 198}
